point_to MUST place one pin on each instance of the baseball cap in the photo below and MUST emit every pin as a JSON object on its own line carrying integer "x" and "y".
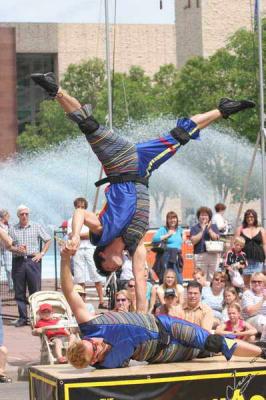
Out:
{"x": 169, "y": 293}
{"x": 79, "y": 289}
{"x": 45, "y": 306}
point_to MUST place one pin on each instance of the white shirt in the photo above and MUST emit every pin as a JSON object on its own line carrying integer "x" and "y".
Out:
{"x": 220, "y": 222}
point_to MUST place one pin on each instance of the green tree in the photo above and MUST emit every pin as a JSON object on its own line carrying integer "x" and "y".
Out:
{"x": 230, "y": 72}
{"x": 51, "y": 128}
{"x": 85, "y": 81}
{"x": 132, "y": 97}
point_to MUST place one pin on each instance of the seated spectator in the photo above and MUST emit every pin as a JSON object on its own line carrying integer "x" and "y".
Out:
{"x": 235, "y": 260}
{"x": 218, "y": 218}
{"x": 254, "y": 302}
{"x": 170, "y": 306}
{"x": 122, "y": 301}
{"x": 126, "y": 271}
{"x": 213, "y": 296}
{"x": 230, "y": 297}
{"x": 200, "y": 276}
{"x": 55, "y": 335}
{"x": 131, "y": 290}
{"x": 169, "y": 282}
{"x": 194, "y": 310}
{"x": 172, "y": 236}
{"x": 199, "y": 234}
{"x": 240, "y": 328}
{"x": 3, "y": 356}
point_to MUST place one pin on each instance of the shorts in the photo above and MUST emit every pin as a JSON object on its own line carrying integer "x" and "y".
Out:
{"x": 253, "y": 266}
{"x": 84, "y": 267}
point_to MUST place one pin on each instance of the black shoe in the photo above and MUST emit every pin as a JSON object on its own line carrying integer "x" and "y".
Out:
{"x": 228, "y": 107}
{"x": 47, "y": 82}
{"x": 20, "y": 322}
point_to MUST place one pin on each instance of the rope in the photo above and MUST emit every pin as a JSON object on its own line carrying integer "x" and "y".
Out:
{"x": 112, "y": 85}
{"x": 246, "y": 180}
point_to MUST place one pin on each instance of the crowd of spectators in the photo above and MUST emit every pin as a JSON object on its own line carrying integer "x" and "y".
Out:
{"x": 226, "y": 294}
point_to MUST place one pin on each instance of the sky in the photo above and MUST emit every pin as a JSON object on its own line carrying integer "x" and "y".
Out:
{"x": 88, "y": 11}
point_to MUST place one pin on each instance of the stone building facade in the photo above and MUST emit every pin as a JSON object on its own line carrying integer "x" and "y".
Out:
{"x": 203, "y": 26}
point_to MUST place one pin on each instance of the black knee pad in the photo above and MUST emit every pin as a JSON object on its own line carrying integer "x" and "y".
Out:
{"x": 89, "y": 125}
{"x": 214, "y": 343}
{"x": 180, "y": 135}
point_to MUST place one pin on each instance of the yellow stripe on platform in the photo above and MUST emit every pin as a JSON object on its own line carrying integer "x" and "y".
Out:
{"x": 149, "y": 380}
{"x": 39, "y": 378}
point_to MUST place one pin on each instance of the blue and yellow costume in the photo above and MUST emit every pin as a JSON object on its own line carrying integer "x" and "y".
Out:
{"x": 144, "y": 337}
{"x": 126, "y": 213}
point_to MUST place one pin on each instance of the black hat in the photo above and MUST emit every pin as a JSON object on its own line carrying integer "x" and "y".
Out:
{"x": 169, "y": 293}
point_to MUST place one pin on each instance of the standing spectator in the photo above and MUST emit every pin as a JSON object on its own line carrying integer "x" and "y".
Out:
{"x": 83, "y": 263}
{"x": 5, "y": 255}
{"x": 240, "y": 328}
{"x": 171, "y": 305}
{"x": 171, "y": 257}
{"x": 126, "y": 271}
{"x": 254, "y": 302}
{"x": 3, "y": 354}
{"x": 194, "y": 310}
{"x": 199, "y": 234}
{"x": 213, "y": 296}
{"x": 255, "y": 244}
{"x": 236, "y": 260}
{"x": 26, "y": 261}
{"x": 218, "y": 218}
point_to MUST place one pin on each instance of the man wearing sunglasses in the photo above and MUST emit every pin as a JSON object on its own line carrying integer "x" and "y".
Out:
{"x": 26, "y": 260}
{"x": 123, "y": 222}
{"x": 110, "y": 340}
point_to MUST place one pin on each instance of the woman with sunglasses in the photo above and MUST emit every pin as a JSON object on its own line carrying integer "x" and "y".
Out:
{"x": 213, "y": 296}
{"x": 255, "y": 244}
{"x": 254, "y": 302}
{"x": 110, "y": 340}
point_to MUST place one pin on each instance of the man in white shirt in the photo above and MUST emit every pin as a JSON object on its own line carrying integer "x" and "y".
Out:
{"x": 84, "y": 267}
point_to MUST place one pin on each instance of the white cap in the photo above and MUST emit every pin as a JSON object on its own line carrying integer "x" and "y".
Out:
{"x": 22, "y": 207}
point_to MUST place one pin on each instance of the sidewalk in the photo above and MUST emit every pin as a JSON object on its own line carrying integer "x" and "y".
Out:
{"x": 23, "y": 349}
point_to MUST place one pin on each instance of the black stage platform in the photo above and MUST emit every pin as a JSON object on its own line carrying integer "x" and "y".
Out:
{"x": 201, "y": 379}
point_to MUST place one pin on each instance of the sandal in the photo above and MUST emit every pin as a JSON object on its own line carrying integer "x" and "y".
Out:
{"x": 5, "y": 379}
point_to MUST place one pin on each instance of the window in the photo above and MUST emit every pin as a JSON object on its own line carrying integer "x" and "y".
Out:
{"x": 29, "y": 96}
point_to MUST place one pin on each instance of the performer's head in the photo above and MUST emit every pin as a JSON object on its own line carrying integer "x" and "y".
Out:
{"x": 83, "y": 353}
{"x": 107, "y": 260}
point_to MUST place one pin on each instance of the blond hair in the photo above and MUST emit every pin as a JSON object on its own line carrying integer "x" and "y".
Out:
{"x": 240, "y": 240}
{"x": 77, "y": 355}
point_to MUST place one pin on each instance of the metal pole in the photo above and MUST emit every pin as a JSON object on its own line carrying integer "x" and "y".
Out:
{"x": 262, "y": 116}
{"x": 109, "y": 88}
{"x": 108, "y": 71}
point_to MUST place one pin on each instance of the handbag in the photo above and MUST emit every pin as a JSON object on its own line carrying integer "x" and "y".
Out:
{"x": 236, "y": 278}
{"x": 214, "y": 246}
{"x": 160, "y": 247}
